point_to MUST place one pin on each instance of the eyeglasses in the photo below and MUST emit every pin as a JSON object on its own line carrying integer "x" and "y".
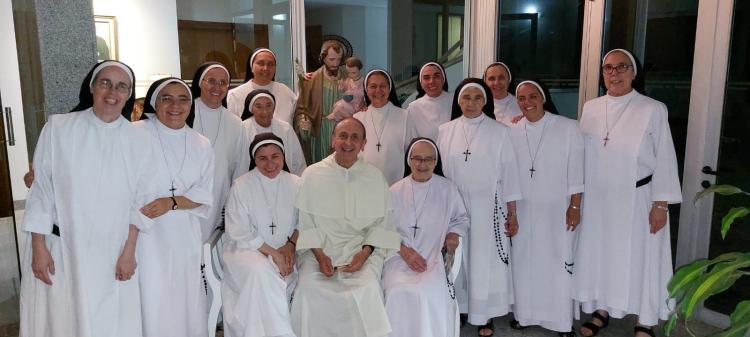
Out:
{"x": 168, "y": 99}
{"x": 106, "y": 84}
{"x": 213, "y": 82}
{"x": 420, "y": 160}
{"x": 621, "y": 68}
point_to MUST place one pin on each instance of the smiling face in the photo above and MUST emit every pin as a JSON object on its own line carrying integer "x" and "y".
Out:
{"x": 497, "y": 79}
{"x": 422, "y": 161}
{"x": 269, "y": 159}
{"x": 111, "y": 90}
{"x": 471, "y": 102}
{"x": 263, "y": 111}
{"x": 378, "y": 89}
{"x": 173, "y": 105}
{"x": 348, "y": 141}
{"x": 618, "y": 83}
{"x": 432, "y": 81}
{"x": 214, "y": 87}
{"x": 264, "y": 68}
{"x": 531, "y": 102}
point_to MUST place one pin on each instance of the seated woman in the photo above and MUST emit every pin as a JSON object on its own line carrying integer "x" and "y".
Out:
{"x": 430, "y": 216}
{"x": 258, "y": 117}
{"x": 261, "y": 228}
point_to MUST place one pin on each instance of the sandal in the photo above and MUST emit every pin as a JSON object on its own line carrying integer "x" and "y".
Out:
{"x": 645, "y": 330}
{"x": 515, "y": 325}
{"x": 570, "y": 333}
{"x": 592, "y": 326}
{"x": 489, "y": 326}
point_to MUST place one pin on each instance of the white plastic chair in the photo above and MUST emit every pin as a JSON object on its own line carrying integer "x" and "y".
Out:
{"x": 213, "y": 273}
{"x": 455, "y": 268}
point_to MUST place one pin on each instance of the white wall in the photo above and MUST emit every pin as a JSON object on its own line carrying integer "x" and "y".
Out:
{"x": 147, "y": 37}
{"x": 10, "y": 89}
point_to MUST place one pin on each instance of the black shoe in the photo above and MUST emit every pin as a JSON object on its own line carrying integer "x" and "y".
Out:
{"x": 593, "y": 327}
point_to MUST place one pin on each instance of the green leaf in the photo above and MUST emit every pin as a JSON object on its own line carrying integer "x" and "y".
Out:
{"x": 741, "y": 312}
{"x": 670, "y": 324}
{"x": 735, "y": 330}
{"x": 720, "y": 189}
{"x": 720, "y": 278}
{"x": 686, "y": 275}
{"x": 728, "y": 219}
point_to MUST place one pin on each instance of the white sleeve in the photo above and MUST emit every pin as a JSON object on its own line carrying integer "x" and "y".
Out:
{"x": 666, "y": 181}
{"x": 40, "y": 204}
{"x": 238, "y": 222}
{"x": 575, "y": 160}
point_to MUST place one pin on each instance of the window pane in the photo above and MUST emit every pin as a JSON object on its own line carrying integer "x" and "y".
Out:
{"x": 228, "y": 31}
{"x": 395, "y": 35}
{"x": 541, "y": 39}
{"x": 734, "y": 160}
{"x": 661, "y": 33}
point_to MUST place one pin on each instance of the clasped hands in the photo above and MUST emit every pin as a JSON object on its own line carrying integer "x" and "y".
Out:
{"x": 326, "y": 266}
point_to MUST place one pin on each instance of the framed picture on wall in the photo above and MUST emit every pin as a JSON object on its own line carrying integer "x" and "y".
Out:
{"x": 106, "y": 37}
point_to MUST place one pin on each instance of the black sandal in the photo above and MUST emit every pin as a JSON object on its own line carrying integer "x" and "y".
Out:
{"x": 516, "y": 325}
{"x": 571, "y": 333}
{"x": 593, "y": 327}
{"x": 490, "y": 326}
{"x": 645, "y": 330}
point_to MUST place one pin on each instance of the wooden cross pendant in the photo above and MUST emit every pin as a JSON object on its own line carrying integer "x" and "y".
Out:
{"x": 466, "y": 153}
{"x": 272, "y": 227}
{"x": 415, "y": 227}
{"x": 378, "y": 145}
{"x": 532, "y": 170}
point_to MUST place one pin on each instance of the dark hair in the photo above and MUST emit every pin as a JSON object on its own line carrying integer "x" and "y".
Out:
{"x": 147, "y": 107}
{"x": 354, "y": 62}
{"x": 639, "y": 82}
{"x": 489, "y": 104}
{"x": 438, "y": 163}
{"x": 548, "y": 105}
{"x": 259, "y": 138}
{"x": 392, "y": 97}
{"x": 249, "y": 67}
{"x": 247, "y": 111}
{"x": 326, "y": 46}
{"x": 420, "y": 90}
{"x": 86, "y": 98}
{"x": 195, "y": 89}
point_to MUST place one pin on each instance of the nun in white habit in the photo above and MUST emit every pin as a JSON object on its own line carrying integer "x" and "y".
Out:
{"x": 624, "y": 258}
{"x": 259, "y": 255}
{"x": 385, "y": 126}
{"x": 92, "y": 173}
{"x": 549, "y": 149}
{"x": 258, "y": 117}
{"x": 210, "y": 117}
{"x": 173, "y": 299}
{"x": 261, "y": 74}
{"x": 478, "y": 157}
{"x": 498, "y": 77}
{"x": 430, "y": 217}
{"x": 432, "y": 107}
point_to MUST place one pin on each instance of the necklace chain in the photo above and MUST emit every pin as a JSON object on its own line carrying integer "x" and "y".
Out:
{"x": 466, "y": 137}
{"x": 265, "y": 199}
{"x": 538, "y": 145}
{"x": 607, "y": 129}
{"x": 383, "y": 125}
{"x": 417, "y": 211}
{"x": 199, "y": 112}
{"x": 164, "y": 155}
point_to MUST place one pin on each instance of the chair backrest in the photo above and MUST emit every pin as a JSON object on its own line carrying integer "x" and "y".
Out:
{"x": 212, "y": 268}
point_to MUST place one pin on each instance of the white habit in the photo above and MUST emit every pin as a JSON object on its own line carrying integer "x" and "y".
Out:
{"x": 421, "y": 304}
{"x": 231, "y": 155}
{"x": 90, "y": 180}
{"x": 385, "y": 126}
{"x": 620, "y": 266}
{"x": 506, "y": 109}
{"x": 543, "y": 248}
{"x": 427, "y": 113}
{"x": 487, "y": 179}
{"x": 293, "y": 155}
{"x": 340, "y": 210}
{"x": 173, "y": 298}
{"x": 284, "y": 97}
{"x": 255, "y": 296}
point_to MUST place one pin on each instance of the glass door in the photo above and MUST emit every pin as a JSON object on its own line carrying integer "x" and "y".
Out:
{"x": 734, "y": 158}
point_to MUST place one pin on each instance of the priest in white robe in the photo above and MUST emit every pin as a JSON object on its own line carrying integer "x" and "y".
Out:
{"x": 478, "y": 157}
{"x": 92, "y": 171}
{"x": 210, "y": 117}
{"x": 385, "y": 124}
{"x": 172, "y": 294}
{"x": 430, "y": 217}
{"x": 498, "y": 77}
{"x": 259, "y": 117}
{"x": 624, "y": 260}
{"x": 261, "y": 74}
{"x": 259, "y": 254}
{"x": 432, "y": 107}
{"x": 549, "y": 150}
{"x": 345, "y": 235}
